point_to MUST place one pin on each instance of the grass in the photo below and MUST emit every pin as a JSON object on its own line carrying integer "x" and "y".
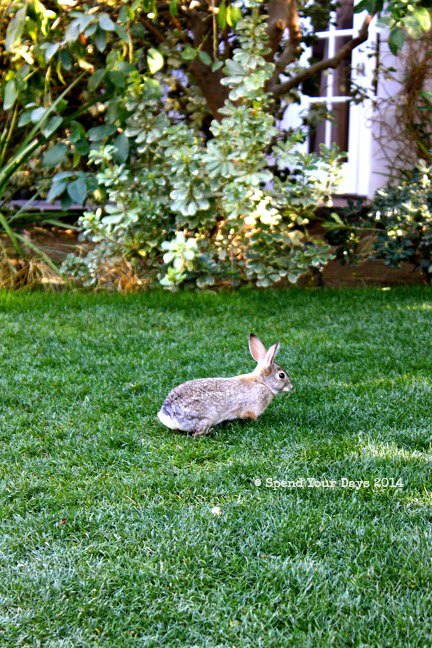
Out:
{"x": 107, "y": 531}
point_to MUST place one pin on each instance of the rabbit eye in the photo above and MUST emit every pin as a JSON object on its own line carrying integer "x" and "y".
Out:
{"x": 282, "y": 375}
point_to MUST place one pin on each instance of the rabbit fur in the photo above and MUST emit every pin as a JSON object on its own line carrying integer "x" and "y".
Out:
{"x": 197, "y": 405}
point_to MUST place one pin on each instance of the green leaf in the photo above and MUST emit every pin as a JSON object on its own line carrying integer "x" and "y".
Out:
{"x": 52, "y": 125}
{"x": 233, "y": 15}
{"x": 95, "y": 79}
{"x": 121, "y": 33}
{"x": 65, "y": 59}
{"x": 73, "y": 31}
{"x": 205, "y": 58}
{"x": 82, "y": 146}
{"x": 84, "y": 19}
{"x": 91, "y": 29}
{"x": 38, "y": 114}
{"x": 66, "y": 201}
{"x": 396, "y": 40}
{"x": 77, "y": 131}
{"x": 100, "y": 40}
{"x": 60, "y": 105}
{"x": 119, "y": 79}
{"x": 62, "y": 175}
{"x": 77, "y": 191}
{"x": 422, "y": 16}
{"x": 384, "y": 21}
{"x": 51, "y": 50}
{"x": 106, "y": 23}
{"x": 173, "y": 7}
{"x": 363, "y": 5}
{"x": 188, "y": 53}
{"x": 206, "y": 280}
{"x": 221, "y": 16}
{"x": 217, "y": 65}
{"x": 121, "y": 144}
{"x": 99, "y": 133}
{"x": 337, "y": 219}
{"x": 371, "y": 6}
{"x": 92, "y": 183}
{"x": 56, "y": 189}
{"x": 412, "y": 27}
{"x": 155, "y": 60}
{"x": 55, "y": 155}
{"x": 10, "y": 94}
{"x": 15, "y": 28}
{"x": 25, "y": 118}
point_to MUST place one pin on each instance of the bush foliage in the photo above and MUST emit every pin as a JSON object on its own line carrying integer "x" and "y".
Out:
{"x": 209, "y": 211}
{"x": 396, "y": 228}
{"x": 164, "y": 118}
{"x": 403, "y": 217}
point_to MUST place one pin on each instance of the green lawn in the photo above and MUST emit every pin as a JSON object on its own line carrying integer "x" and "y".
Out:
{"x": 107, "y": 531}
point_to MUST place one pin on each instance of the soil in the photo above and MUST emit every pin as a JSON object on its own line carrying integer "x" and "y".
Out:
{"x": 58, "y": 243}
{"x": 370, "y": 273}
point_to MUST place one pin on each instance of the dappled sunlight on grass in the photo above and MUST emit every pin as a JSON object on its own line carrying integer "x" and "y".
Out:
{"x": 394, "y": 453}
{"x": 425, "y": 306}
{"x": 385, "y": 384}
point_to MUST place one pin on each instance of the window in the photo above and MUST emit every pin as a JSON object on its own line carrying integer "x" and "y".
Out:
{"x": 333, "y": 86}
{"x": 326, "y": 99}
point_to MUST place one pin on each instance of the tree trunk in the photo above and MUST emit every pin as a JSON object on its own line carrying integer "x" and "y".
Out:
{"x": 209, "y": 82}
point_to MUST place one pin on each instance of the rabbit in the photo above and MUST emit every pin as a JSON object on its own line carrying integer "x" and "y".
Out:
{"x": 197, "y": 405}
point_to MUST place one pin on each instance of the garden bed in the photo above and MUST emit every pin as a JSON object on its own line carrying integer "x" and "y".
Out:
{"x": 59, "y": 243}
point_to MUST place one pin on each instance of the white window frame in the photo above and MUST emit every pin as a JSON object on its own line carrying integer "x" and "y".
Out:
{"x": 356, "y": 170}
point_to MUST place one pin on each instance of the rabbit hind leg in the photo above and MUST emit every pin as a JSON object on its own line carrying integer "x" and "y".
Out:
{"x": 249, "y": 415}
{"x": 202, "y": 427}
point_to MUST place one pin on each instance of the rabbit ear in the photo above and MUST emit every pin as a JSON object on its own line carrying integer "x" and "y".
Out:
{"x": 270, "y": 355}
{"x": 257, "y": 348}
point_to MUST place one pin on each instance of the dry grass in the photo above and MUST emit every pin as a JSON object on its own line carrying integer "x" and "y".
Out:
{"x": 120, "y": 275}
{"x": 30, "y": 272}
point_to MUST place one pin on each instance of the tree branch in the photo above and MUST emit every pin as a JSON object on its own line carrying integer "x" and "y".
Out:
{"x": 292, "y": 49}
{"x": 284, "y": 87}
{"x": 278, "y": 11}
{"x": 209, "y": 82}
{"x": 153, "y": 29}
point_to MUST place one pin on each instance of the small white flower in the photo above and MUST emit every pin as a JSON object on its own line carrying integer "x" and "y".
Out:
{"x": 216, "y": 510}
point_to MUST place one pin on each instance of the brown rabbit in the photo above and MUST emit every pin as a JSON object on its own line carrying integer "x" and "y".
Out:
{"x": 195, "y": 406}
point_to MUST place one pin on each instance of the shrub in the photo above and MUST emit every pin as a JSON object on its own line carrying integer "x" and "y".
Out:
{"x": 191, "y": 210}
{"x": 397, "y": 228}
{"x": 403, "y": 217}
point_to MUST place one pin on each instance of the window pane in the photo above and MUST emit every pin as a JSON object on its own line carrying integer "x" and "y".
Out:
{"x": 342, "y": 74}
{"x": 318, "y": 86}
{"x": 334, "y": 130}
{"x": 340, "y": 127}
{"x": 316, "y": 128}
